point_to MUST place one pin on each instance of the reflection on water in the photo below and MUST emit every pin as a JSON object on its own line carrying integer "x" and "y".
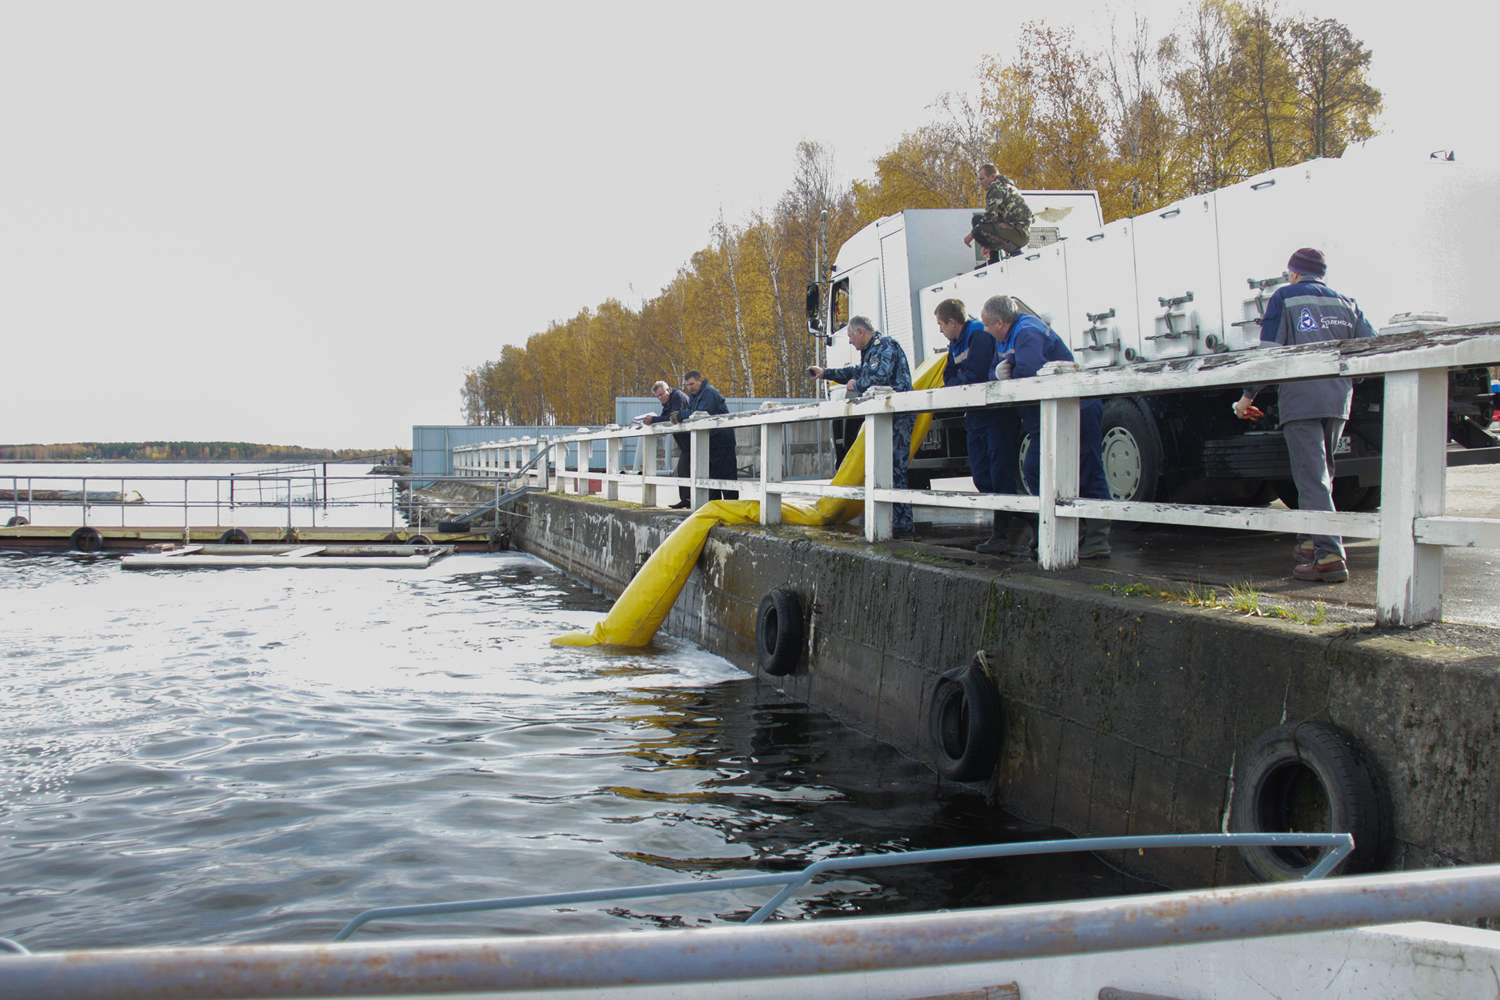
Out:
{"x": 258, "y": 755}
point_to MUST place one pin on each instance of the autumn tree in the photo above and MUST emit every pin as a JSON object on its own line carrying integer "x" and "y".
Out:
{"x": 1235, "y": 90}
{"x": 1336, "y": 104}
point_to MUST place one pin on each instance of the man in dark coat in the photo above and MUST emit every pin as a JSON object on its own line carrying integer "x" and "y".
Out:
{"x": 704, "y": 398}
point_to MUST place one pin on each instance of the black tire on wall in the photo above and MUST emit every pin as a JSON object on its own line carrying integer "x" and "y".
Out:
{"x": 966, "y": 724}
{"x": 778, "y": 632}
{"x": 235, "y": 536}
{"x": 1316, "y": 778}
{"x": 17, "y": 521}
{"x": 418, "y": 539}
{"x": 86, "y": 539}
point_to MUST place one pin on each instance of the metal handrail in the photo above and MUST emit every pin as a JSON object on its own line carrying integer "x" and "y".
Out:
{"x": 1339, "y": 847}
{"x": 703, "y": 958}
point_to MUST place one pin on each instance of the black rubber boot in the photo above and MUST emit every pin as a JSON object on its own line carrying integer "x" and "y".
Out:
{"x": 1023, "y": 536}
{"x": 996, "y": 544}
{"x": 1095, "y": 543}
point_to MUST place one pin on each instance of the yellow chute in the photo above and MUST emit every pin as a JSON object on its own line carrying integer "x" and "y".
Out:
{"x": 644, "y": 605}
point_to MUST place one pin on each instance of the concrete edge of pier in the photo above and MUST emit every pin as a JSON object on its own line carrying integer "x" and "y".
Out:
{"x": 1122, "y": 711}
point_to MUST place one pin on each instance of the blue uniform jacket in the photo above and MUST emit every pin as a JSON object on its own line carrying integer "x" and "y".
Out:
{"x": 971, "y": 358}
{"x": 1028, "y": 346}
{"x": 1310, "y": 312}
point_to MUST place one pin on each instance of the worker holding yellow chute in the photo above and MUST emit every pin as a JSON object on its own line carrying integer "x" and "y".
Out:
{"x": 640, "y": 610}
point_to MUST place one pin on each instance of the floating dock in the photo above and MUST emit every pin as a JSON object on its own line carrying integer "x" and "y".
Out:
{"x": 97, "y": 538}
{"x": 290, "y": 557}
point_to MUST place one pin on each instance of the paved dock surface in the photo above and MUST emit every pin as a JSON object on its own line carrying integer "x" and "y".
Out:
{"x": 1218, "y": 559}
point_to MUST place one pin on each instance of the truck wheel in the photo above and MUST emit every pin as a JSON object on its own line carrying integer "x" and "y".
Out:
{"x": 1348, "y": 494}
{"x": 1132, "y": 451}
{"x": 1021, "y": 486}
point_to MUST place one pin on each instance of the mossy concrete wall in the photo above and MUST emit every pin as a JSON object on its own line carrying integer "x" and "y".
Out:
{"x": 1123, "y": 715}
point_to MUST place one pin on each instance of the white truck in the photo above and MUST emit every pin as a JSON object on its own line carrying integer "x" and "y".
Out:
{"x": 1410, "y": 237}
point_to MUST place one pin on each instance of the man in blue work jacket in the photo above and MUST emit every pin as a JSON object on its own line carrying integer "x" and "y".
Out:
{"x": 989, "y": 432}
{"x": 1023, "y": 344}
{"x": 1312, "y": 413}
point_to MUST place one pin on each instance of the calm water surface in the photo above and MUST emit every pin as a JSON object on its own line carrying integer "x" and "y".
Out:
{"x": 247, "y": 755}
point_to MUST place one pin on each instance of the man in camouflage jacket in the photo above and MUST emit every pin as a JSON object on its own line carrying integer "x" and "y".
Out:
{"x": 1004, "y": 227}
{"x": 881, "y": 362}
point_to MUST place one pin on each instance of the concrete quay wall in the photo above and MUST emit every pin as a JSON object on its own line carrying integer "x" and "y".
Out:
{"x": 1122, "y": 714}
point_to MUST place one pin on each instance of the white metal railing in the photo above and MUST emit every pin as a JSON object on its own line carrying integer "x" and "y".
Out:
{"x": 1411, "y": 524}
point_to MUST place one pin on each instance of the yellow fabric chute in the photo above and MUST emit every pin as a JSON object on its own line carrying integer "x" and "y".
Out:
{"x": 640, "y": 610}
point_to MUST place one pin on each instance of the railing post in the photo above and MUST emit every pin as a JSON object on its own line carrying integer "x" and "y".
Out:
{"x": 1057, "y": 539}
{"x": 772, "y": 471}
{"x": 698, "y": 465}
{"x": 1413, "y": 467}
{"x": 612, "y": 468}
{"x": 648, "y": 446}
{"x": 880, "y": 439}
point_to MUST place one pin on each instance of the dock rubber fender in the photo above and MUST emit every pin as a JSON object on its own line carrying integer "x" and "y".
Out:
{"x": 16, "y": 521}
{"x": 778, "y": 632}
{"x": 86, "y": 539}
{"x": 1314, "y": 777}
{"x": 966, "y": 723}
{"x": 234, "y": 536}
{"x": 418, "y": 539}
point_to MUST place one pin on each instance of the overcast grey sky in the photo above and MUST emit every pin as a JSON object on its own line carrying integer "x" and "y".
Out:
{"x": 299, "y": 222}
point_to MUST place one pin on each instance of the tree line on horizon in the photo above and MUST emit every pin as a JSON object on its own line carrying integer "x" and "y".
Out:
{"x": 1236, "y": 90}
{"x": 186, "y": 451}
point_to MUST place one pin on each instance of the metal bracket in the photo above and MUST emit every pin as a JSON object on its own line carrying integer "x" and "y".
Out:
{"x": 1259, "y": 286}
{"x": 1170, "y": 305}
{"x": 1096, "y": 331}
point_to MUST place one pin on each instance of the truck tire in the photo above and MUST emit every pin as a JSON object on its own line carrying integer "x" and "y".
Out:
{"x": 1348, "y": 494}
{"x": 1132, "y": 450}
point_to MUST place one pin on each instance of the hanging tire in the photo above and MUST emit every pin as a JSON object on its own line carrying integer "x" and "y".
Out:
{"x": 1312, "y": 778}
{"x": 86, "y": 539}
{"x": 966, "y": 724}
{"x": 16, "y": 521}
{"x": 418, "y": 540}
{"x": 234, "y": 536}
{"x": 778, "y": 633}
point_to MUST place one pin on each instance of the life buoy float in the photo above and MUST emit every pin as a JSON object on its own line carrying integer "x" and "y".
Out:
{"x": 86, "y": 539}
{"x": 234, "y": 536}
{"x": 778, "y": 632}
{"x": 967, "y": 724}
{"x": 1310, "y": 777}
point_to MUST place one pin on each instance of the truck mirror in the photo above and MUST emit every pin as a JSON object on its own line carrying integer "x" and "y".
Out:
{"x": 814, "y": 304}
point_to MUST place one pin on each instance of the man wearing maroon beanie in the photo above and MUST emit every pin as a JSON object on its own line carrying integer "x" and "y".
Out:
{"x": 1312, "y": 413}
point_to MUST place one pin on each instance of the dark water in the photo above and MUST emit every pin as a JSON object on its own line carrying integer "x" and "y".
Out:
{"x": 258, "y": 755}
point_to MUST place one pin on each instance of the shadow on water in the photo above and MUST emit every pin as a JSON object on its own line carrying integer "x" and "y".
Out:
{"x": 795, "y": 786}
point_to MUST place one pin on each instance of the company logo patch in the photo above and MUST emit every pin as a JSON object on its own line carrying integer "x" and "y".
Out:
{"x": 1307, "y": 320}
